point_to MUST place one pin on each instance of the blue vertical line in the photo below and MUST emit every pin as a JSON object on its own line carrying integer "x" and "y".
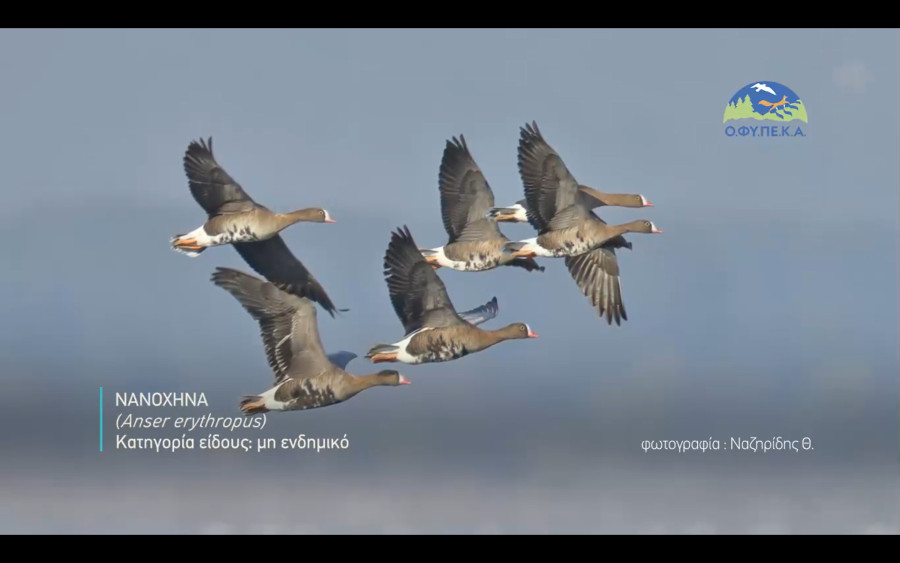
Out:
{"x": 101, "y": 419}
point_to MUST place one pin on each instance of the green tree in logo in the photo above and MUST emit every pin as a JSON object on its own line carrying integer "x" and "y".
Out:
{"x": 742, "y": 109}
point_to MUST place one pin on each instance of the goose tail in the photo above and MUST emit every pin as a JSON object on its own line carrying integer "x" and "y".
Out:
{"x": 253, "y": 404}
{"x": 186, "y": 246}
{"x": 383, "y": 353}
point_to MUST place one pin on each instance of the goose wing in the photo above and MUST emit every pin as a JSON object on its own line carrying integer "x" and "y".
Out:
{"x": 212, "y": 187}
{"x": 272, "y": 259}
{"x": 551, "y": 191}
{"x": 417, "y": 294}
{"x": 466, "y": 196}
{"x": 597, "y": 275}
{"x": 287, "y": 324}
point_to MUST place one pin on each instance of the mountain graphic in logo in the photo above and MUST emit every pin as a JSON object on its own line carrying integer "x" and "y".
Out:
{"x": 765, "y": 101}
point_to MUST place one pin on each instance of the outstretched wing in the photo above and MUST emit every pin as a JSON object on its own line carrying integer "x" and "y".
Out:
{"x": 341, "y": 358}
{"x": 597, "y": 275}
{"x": 550, "y": 189}
{"x": 481, "y": 314}
{"x": 287, "y": 324}
{"x": 466, "y": 196}
{"x": 417, "y": 293}
{"x": 272, "y": 259}
{"x": 213, "y": 188}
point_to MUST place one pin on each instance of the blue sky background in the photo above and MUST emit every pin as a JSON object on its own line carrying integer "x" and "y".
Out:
{"x": 768, "y": 307}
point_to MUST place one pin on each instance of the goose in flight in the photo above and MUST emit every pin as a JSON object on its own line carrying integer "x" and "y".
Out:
{"x": 305, "y": 377}
{"x": 568, "y": 227}
{"x": 253, "y": 230}
{"x": 434, "y": 331}
{"x": 233, "y": 216}
{"x": 475, "y": 243}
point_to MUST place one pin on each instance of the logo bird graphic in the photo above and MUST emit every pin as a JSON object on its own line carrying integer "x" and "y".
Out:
{"x": 764, "y": 88}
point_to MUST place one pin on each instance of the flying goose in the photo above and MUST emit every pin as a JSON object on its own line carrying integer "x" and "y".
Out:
{"x": 233, "y": 216}
{"x": 305, "y": 378}
{"x": 475, "y": 242}
{"x": 563, "y": 215}
{"x": 253, "y": 230}
{"x": 518, "y": 212}
{"x": 567, "y": 226}
{"x": 434, "y": 331}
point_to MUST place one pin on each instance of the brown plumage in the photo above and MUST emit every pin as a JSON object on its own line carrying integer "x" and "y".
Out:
{"x": 235, "y": 218}
{"x": 305, "y": 377}
{"x": 596, "y": 198}
{"x": 434, "y": 331}
{"x": 518, "y": 213}
{"x": 561, "y": 210}
{"x": 475, "y": 243}
{"x": 597, "y": 275}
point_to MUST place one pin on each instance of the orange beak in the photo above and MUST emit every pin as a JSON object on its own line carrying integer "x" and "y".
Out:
{"x": 532, "y": 334}
{"x": 330, "y": 220}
